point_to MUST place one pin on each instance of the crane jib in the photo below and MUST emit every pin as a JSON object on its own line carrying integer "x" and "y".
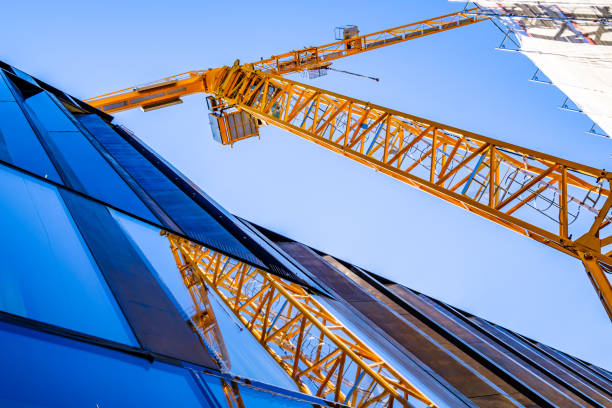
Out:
{"x": 559, "y": 203}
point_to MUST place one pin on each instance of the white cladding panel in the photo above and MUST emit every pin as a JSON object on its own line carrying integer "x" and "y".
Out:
{"x": 571, "y": 42}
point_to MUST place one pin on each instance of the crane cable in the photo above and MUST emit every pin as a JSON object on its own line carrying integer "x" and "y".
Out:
{"x": 353, "y": 73}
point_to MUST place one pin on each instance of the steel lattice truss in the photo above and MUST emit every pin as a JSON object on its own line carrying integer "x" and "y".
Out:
{"x": 322, "y": 356}
{"x": 560, "y": 203}
{"x": 170, "y": 89}
{"x": 557, "y": 202}
{"x": 309, "y": 58}
{"x": 203, "y": 317}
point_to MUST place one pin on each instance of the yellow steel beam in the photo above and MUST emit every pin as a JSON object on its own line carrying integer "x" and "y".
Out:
{"x": 151, "y": 95}
{"x": 560, "y": 203}
{"x": 168, "y": 91}
{"x": 232, "y": 395}
{"x": 204, "y": 323}
{"x": 598, "y": 278}
{"x": 316, "y": 349}
{"x": 543, "y": 197}
{"x": 203, "y": 317}
{"x": 308, "y": 58}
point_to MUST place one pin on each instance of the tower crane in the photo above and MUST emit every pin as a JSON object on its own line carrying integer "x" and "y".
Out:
{"x": 557, "y": 202}
{"x": 168, "y": 91}
{"x": 489, "y": 177}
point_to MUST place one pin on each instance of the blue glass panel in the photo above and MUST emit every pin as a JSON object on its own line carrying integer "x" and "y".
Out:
{"x": 247, "y": 357}
{"x": 155, "y": 250}
{"x": 93, "y": 172}
{"x": 182, "y": 209}
{"x": 261, "y": 395}
{"x": 41, "y": 370}
{"x": 259, "y": 399}
{"x": 23, "y": 75}
{"x": 49, "y": 114}
{"x": 5, "y": 93}
{"x": 23, "y": 147}
{"x": 47, "y": 271}
{"x": 99, "y": 179}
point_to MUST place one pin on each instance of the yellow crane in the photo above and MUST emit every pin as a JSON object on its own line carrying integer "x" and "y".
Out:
{"x": 489, "y": 177}
{"x": 494, "y": 179}
{"x": 169, "y": 91}
{"x": 314, "y": 347}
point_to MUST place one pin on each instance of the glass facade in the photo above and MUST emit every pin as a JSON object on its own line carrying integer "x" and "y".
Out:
{"x": 19, "y": 145}
{"x": 95, "y": 313}
{"x": 70, "y": 143}
{"x": 164, "y": 187}
{"x": 42, "y": 370}
{"x": 93, "y": 173}
{"x": 23, "y": 75}
{"x": 49, "y": 114}
{"x": 71, "y": 267}
{"x": 51, "y": 371}
{"x": 47, "y": 271}
{"x": 5, "y": 93}
{"x": 256, "y": 398}
{"x": 246, "y": 358}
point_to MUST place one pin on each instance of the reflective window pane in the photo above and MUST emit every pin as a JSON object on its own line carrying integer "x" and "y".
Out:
{"x": 192, "y": 218}
{"x": 261, "y": 395}
{"x": 21, "y": 143}
{"x": 47, "y": 271}
{"x": 41, "y": 370}
{"x": 247, "y": 358}
{"x": 5, "y": 93}
{"x": 96, "y": 175}
{"x": 23, "y": 75}
{"x": 260, "y": 399}
{"x": 49, "y": 114}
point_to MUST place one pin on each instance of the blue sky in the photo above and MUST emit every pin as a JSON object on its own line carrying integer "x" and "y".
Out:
{"x": 315, "y": 196}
